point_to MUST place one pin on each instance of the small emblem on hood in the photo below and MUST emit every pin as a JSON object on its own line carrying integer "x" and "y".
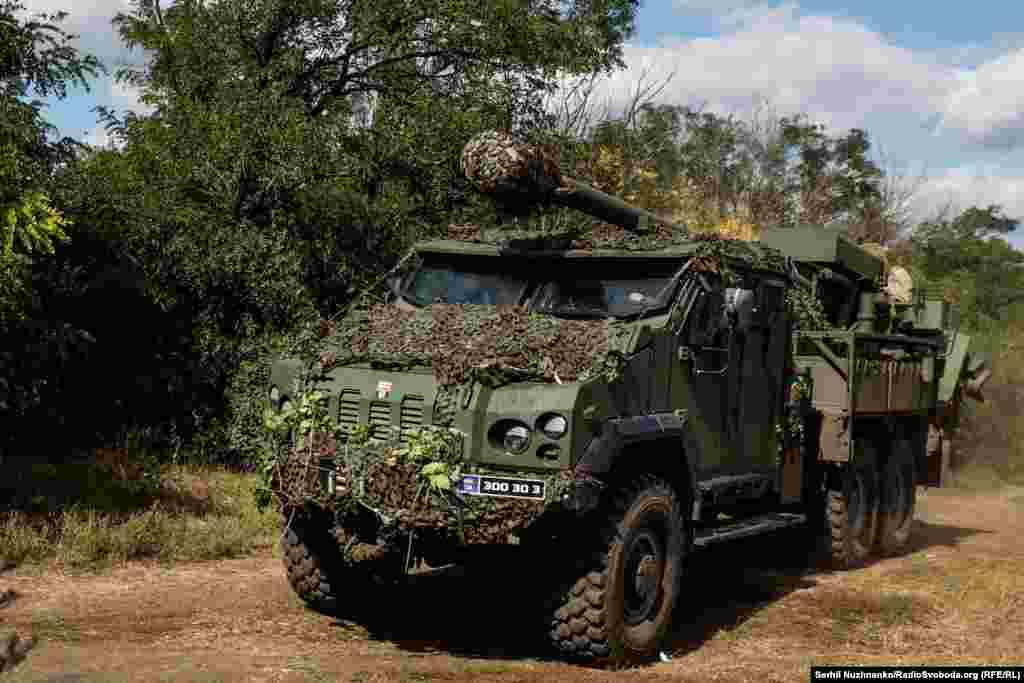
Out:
{"x": 383, "y": 389}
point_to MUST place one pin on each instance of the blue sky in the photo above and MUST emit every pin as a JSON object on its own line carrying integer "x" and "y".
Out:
{"x": 938, "y": 86}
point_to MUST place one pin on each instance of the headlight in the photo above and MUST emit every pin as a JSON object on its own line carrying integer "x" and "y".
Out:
{"x": 275, "y": 397}
{"x": 553, "y": 425}
{"x": 516, "y": 439}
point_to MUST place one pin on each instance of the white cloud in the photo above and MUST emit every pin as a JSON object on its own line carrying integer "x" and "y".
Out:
{"x": 837, "y": 71}
{"x": 98, "y": 137}
{"x": 987, "y": 103}
{"x": 79, "y": 7}
{"x": 972, "y": 185}
{"x": 125, "y": 96}
{"x": 90, "y": 21}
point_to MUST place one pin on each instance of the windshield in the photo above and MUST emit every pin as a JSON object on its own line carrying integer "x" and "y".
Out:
{"x": 450, "y": 285}
{"x": 604, "y": 297}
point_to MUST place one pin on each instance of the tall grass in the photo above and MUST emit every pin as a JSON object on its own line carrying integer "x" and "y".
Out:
{"x": 992, "y": 436}
{"x": 83, "y": 517}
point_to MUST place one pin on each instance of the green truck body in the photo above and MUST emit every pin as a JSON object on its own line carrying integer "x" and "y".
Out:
{"x": 611, "y": 403}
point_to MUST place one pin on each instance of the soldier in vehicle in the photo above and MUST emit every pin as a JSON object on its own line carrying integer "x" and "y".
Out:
{"x": 899, "y": 284}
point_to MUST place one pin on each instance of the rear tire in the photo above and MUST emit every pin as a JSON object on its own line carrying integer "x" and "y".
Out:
{"x": 898, "y": 500}
{"x": 852, "y": 510}
{"x": 622, "y": 607}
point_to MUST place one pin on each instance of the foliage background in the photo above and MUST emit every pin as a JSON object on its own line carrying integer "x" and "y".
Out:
{"x": 292, "y": 153}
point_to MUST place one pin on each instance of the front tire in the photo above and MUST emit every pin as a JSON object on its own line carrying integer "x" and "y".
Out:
{"x": 329, "y": 580}
{"x": 622, "y": 607}
{"x": 312, "y": 562}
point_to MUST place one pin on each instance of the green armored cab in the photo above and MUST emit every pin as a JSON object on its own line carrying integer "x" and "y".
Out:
{"x": 613, "y": 400}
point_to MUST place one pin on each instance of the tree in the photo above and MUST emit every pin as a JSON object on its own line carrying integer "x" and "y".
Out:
{"x": 257, "y": 107}
{"x": 292, "y": 150}
{"x": 967, "y": 256}
{"x": 36, "y": 345}
{"x": 36, "y": 58}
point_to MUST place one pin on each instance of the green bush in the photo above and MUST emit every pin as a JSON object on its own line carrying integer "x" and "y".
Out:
{"x": 195, "y": 514}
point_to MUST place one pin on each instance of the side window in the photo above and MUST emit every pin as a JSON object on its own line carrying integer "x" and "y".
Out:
{"x": 705, "y": 319}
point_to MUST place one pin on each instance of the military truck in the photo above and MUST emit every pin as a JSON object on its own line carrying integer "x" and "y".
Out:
{"x": 613, "y": 400}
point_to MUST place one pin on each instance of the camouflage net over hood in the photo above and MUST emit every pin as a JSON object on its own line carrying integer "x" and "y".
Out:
{"x": 599, "y": 236}
{"x": 488, "y": 344}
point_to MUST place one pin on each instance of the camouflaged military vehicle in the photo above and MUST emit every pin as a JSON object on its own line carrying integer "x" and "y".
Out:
{"x": 614, "y": 400}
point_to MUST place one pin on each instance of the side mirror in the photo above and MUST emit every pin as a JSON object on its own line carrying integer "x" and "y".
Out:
{"x": 740, "y": 308}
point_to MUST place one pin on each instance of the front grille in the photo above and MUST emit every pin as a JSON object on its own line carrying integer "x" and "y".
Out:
{"x": 380, "y": 420}
{"x": 348, "y": 407}
{"x": 411, "y": 414}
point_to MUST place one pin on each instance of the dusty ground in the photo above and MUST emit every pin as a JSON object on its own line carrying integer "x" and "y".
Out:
{"x": 759, "y": 613}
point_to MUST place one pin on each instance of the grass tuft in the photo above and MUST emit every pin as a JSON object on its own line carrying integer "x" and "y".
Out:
{"x": 990, "y": 447}
{"x": 82, "y": 518}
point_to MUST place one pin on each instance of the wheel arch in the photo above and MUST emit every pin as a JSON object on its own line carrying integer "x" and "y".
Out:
{"x": 658, "y": 445}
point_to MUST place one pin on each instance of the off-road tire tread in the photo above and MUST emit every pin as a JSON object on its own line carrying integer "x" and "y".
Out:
{"x": 841, "y": 547}
{"x": 311, "y": 564}
{"x": 837, "y": 521}
{"x": 893, "y": 541}
{"x": 578, "y": 628}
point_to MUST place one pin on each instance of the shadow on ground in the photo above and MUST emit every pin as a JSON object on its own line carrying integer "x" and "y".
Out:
{"x": 490, "y": 608}
{"x": 927, "y": 535}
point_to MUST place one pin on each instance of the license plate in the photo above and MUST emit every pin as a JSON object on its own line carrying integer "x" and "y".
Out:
{"x": 501, "y": 487}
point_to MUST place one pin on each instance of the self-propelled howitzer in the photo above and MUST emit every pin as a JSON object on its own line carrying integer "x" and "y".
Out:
{"x": 610, "y": 404}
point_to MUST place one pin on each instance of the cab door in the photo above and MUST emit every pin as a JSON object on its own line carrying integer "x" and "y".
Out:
{"x": 699, "y": 383}
{"x": 756, "y": 371}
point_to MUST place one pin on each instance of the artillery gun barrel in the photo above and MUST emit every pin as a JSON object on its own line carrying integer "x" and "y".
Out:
{"x": 576, "y": 194}
{"x": 520, "y": 177}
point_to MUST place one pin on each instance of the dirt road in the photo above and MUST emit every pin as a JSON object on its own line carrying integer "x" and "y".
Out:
{"x": 756, "y": 613}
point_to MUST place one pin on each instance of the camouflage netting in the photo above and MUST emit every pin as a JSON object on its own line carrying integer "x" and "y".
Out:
{"x": 377, "y": 477}
{"x": 487, "y": 344}
{"x": 806, "y": 309}
{"x": 496, "y": 163}
{"x": 599, "y": 236}
{"x": 609, "y": 236}
{"x": 718, "y": 254}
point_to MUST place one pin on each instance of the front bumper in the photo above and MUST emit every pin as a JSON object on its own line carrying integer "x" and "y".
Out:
{"x": 478, "y": 506}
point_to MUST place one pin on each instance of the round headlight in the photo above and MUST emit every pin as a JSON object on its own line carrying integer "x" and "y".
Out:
{"x": 553, "y": 426}
{"x": 516, "y": 439}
